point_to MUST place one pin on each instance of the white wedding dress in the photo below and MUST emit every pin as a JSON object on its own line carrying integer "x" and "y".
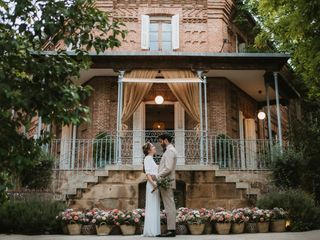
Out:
{"x": 152, "y": 209}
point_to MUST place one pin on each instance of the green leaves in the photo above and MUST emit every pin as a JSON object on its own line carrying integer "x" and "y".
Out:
{"x": 33, "y": 83}
{"x": 293, "y": 27}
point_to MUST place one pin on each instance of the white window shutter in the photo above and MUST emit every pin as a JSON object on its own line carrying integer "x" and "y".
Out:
{"x": 175, "y": 31}
{"x": 145, "y": 31}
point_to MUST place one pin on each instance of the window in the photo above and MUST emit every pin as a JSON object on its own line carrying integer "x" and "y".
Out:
{"x": 160, "y": 33}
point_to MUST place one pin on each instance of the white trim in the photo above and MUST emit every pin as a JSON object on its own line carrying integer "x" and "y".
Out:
{"x": 162, "y": 80}
{"x": 175, "y": 31}
{"x": 145, "y": 22}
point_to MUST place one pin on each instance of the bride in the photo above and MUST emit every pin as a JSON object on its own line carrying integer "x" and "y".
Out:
{"x": 152, "y": 209}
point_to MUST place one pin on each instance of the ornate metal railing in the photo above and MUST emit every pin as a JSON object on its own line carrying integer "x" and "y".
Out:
{"x": 91, "y": 154}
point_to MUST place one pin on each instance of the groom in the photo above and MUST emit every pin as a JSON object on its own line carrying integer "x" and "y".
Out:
{"x": 167, "y": 167}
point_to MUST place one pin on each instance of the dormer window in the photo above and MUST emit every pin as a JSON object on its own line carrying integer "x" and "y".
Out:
{"x": 159, "y": 33}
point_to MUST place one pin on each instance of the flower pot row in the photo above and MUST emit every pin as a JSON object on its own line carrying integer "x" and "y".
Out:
{"x": 238, "y": 228}
{"x": 103, "y": 230}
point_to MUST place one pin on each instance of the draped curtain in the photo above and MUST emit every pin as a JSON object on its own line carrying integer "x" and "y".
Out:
{"x": 134, "y": 92}
{"x": 186, "y": 93}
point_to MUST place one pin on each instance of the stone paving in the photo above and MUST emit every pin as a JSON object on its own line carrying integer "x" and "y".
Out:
{"x": 311, "y": 235}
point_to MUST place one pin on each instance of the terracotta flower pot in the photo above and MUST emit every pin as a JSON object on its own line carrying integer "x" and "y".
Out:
{"x": 251, "y": 227}
{"x": 196, "y": 229}
{"x": 263, "y": 227}
{"x": 74, "y": 229}
{"x": 182, "y": 229}
{"x": 163, "y": 228}
{"x": 223, "y": 228}
{"x": 103, "y": 230}
{"x": 208, "y": 228}
{"x": 88, "y": 229}
{"x": 278, "y": 225}
{"x": 237, "y": 228}
{"x": 127, "y": 229}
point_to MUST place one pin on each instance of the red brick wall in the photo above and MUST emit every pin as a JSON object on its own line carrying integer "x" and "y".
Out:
{"x": 203, "y": 23}
{"x": 103, "y": 107}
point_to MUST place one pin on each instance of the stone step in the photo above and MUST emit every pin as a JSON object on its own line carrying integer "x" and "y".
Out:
{"x": 101, "y": 173}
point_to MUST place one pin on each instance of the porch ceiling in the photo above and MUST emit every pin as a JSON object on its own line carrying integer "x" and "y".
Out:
{"x": 249, "y": 81}
{"x": 245, "y": 70}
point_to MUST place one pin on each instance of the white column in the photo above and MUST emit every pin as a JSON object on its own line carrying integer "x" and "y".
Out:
{"x": 74, "y": 135}
{"x": 179, "y": 128}
{"x": 242, "y": 142}
{"x": 206, "y": 117}
{"x": 119, "y": 117}
{"x": 275, "y": 75}
{"x": 268, "y": 113}
{"x": 201, "y": 117}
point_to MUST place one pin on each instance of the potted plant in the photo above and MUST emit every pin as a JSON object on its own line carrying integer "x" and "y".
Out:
{"x": 222, "y": 221}
{"x": 238, "y": 220}
{"x": 196, "y": 221}
{"x": 73, "y": 220}
{"x": 128, "y": 221}
{"x": 251, "y": 220}
{"x": 163, "y": 221}
{"x": 104, "y": 221}
{"x": 181, "y": 221}
{"x": 140, "y": 226}
{"x": 207, "y": 213}
{"x": 278, "y": 220}
{"x": 263, "y": 217}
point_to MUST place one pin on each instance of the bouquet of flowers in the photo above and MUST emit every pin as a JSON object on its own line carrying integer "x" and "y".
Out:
{"x": 70, "y": 216}
{"x": 222, "y": 217}
{"x": 194, "y": 216}
{"x": 130, "y": 218}
{"x": 238, "y": 216}
{"x": 141, "y": 213}
{"x": 262, "y": 215}
{"x": 278, "y": 213}
{"x": 163, "y": 183}
{"x": 181, "y": 217}
{"x": 101, "y": 217}
{"x": 250, "y": 215}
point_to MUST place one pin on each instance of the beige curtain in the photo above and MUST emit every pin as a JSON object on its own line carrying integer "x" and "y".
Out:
{"x": 186, "y": 93}
{"x": 134, "y": 92}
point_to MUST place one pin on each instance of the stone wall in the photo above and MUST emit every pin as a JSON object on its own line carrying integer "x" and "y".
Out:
{"x": 121, "y": 189}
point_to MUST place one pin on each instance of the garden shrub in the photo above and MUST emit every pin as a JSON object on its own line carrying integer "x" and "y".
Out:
{"x": 31, "y": 216}
{"x": 286, "y": 168}
{"x": 302, "y": 209}
{"x": 38, "y": 176}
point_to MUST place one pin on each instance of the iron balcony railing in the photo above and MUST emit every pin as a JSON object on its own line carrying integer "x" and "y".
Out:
{"x": 227, "y": 153}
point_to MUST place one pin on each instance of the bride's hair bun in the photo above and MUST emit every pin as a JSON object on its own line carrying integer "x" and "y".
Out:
{"x": 146, "y": 148}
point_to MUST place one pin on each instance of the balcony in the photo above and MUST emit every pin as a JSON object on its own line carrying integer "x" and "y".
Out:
{"x": 222, "y": 151}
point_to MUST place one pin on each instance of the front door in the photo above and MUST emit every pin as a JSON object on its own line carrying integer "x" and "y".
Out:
{"x": 150, "y": 120}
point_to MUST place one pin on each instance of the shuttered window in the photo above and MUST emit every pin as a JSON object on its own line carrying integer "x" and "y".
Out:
{"x": 160, "y": 33}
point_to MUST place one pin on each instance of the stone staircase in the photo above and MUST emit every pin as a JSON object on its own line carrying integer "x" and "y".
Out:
{"x": 79, "y": 188}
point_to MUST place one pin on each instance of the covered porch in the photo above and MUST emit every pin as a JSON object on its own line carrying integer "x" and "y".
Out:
{"x": 258, "y": 75}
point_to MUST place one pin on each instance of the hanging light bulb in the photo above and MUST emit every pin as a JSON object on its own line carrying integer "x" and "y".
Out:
{"x": 159, "y": 99}
{"x": 261, "y": 115}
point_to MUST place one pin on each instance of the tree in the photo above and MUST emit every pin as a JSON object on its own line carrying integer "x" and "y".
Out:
{"x": 294, "y": 27}
{"x": 33, "y": 83}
